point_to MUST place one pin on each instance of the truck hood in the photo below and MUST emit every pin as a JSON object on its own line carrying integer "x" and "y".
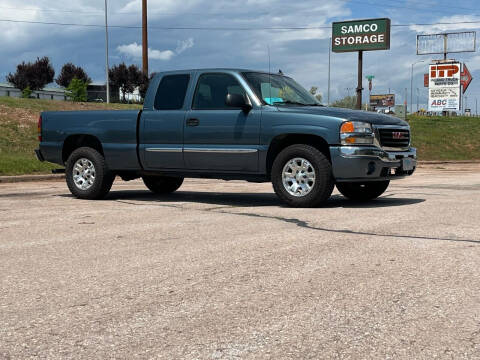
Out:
{"x": 346, "y": 114}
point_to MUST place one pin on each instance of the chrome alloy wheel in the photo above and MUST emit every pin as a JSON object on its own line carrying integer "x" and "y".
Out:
{"x": 83, "y": 174}
{"x": 298, "y": 177}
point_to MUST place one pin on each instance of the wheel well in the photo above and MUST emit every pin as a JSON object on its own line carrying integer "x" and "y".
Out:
{"x": 74, "y": 142}
{"x": 282, "y": 141}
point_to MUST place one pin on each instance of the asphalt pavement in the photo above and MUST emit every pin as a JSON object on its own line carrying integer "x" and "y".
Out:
{"x": 222, "y": 270}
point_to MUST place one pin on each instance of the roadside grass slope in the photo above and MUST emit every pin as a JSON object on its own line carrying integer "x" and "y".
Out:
{"x": 436, "y": 138}
{"x": 446, "y": 138}
{"x": 18, "y": 131}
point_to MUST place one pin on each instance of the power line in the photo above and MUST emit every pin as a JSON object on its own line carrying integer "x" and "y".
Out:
{"x": 215, "y": 28}
{"x": 362, "y": 2}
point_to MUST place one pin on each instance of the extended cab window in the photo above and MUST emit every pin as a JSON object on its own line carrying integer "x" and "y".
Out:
{"x": 171, "y": 92}
{"x": 212, "y": 90}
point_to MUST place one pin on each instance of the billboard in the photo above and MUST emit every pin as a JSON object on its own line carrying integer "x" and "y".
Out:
{"x": 382, "y": 100}
{"x": 446, "y": 43}
{"x": 356, "y": 35}
{"x": 444, "y": 87}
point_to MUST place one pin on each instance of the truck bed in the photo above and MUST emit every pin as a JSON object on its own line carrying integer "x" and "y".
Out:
{"x": 115, "y": 129}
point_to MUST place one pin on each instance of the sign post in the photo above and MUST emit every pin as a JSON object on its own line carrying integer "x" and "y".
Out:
{"x": 361, "y": 35}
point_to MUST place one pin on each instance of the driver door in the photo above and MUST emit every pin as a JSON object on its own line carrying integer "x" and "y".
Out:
{"x": 219, "y": 138}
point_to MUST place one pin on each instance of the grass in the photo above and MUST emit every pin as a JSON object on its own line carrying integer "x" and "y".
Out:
{"x": 18, "y": 131}
{"x": 446, "y": 138}
{"x": 36, "y": 105}
{"x": 436, "y": 138}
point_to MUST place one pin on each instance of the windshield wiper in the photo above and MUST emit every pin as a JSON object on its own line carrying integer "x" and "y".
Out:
{"x": 288, "y": 102}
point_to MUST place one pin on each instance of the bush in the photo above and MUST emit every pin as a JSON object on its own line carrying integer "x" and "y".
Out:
{"x": 77, "y": 90}
{"x": 27, "y": 92}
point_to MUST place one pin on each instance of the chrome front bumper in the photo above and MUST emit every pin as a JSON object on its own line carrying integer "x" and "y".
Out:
{"x": 386, "y": 156}
{"x": 371, "y": 163}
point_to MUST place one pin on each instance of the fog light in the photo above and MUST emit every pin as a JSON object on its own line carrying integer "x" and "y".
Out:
{"x": 371, "y": 168}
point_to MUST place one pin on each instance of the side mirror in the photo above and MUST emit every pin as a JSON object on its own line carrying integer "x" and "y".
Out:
{"x": 238, "y": 101}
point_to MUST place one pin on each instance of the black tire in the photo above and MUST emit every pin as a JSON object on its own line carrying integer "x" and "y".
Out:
{"x": 103, "y": 178}
{"x": 322, "y": 187}
{"x": 162, "y": 184}
{"x": 363, "y": 191}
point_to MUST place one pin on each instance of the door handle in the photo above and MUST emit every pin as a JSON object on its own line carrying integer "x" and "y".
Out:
{"x": 193, "y": 122}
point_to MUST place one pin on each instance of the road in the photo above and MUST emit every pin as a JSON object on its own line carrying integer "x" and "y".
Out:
{"x": 221, "y": 270}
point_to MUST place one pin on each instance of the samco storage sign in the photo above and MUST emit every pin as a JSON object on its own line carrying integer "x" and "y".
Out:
{"x": 444, "y": 87}
{"x": 371, "y": 34}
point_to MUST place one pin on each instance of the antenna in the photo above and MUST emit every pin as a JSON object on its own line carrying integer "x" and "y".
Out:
{"x": 269, "y": 77}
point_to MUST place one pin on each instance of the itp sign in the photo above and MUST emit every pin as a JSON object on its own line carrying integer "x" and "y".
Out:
{"x": 444, "y": 87}
{"x": 444, "y": 71}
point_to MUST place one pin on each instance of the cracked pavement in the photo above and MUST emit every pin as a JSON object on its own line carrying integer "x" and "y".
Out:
{"x": 222, "y": 270}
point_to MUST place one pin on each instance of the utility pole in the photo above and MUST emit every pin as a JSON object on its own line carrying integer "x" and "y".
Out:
{"x": 369, "y": 78}
{"x": 360, "y": 79}
{"x": 411, "y": 86}
{"x": 144, "y": 38}
{"x": 106, "y": 53}
{"x": 329, "y": 55}
{"x": 476, "y": 108}
{"x": 418, "y": 90}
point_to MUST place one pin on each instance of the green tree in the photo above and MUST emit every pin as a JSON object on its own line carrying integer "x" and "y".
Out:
{"x": 347, "y": 102}
{"x": 27, "y": 92}
{"x": 313, "y": 91}
{"x": 77, "y": 90}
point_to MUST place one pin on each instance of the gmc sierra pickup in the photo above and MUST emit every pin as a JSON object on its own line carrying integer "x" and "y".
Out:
{"x": 230, "y": 124}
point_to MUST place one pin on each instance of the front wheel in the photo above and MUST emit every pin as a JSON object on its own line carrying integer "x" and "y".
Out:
{"x": 87, "y": 174}
{"x": 162, "y": 184}
{"x": 363, "y": 191}
{"x": 302, "y": 176}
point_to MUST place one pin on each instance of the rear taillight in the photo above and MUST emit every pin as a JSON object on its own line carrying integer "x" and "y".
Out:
{"x": 40, "y": 128}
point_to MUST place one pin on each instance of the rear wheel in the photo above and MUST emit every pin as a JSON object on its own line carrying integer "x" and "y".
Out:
{"x": 363, "y": 191}
{"x": 162, "y": 184}
{"x": 302, "y": 176}
{"x": 87, "y": 175}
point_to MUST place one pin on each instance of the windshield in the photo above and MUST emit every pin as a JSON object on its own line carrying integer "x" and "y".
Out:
{"x": 276, "y": 89}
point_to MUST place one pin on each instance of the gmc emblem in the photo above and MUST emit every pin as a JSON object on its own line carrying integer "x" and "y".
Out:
{"x": 397, "y": 135}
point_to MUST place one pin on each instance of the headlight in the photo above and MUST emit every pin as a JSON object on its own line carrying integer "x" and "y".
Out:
{"x": 356, "y": 132}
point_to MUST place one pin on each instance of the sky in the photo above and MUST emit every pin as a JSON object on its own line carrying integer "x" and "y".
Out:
{"x": 302, "y": 54}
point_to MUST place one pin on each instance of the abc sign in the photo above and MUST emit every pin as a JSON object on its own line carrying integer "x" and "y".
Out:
{"x": 439, "y": 102}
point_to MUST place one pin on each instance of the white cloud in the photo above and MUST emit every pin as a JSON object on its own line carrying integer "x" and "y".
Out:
{"x": 160, "y": 6}
{"x": 134, "y": 50}
{"x": 184, "y": 45}
{"x": 455, "y": 22}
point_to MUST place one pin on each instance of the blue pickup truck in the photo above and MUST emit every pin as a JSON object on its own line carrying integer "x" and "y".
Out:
{"x": 230, "y": 124}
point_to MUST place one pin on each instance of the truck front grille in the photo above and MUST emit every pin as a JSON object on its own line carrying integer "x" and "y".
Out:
{"x": 394, "y": 138}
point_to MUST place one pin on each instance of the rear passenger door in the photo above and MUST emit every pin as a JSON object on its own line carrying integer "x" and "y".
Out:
{"x": 161, "y": 128}
{"x": 217, "y": 137}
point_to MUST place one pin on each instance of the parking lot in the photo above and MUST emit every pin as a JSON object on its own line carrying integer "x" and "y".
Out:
{"x": 222, "y": 270}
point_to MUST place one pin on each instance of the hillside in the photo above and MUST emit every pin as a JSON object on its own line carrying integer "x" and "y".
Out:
{"x": 442, "y": 138}
{"x": 436, "y": 138}
{"x": 18, "y": 131}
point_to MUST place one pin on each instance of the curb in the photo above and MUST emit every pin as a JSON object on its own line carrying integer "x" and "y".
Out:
{"x": 451, "y": 162}
{"x": 26, "y": 178}
{"x": 50, "y": 177}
